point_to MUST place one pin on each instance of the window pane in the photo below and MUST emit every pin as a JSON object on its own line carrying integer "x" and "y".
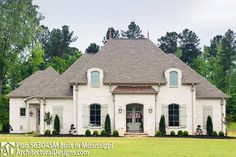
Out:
{"x": 173, "y": 78}
{"x": 173, "y": 115}
{"x": 95, "y": 115}
{"x": 95, "y": 79}
{"x": 22, "y": 111}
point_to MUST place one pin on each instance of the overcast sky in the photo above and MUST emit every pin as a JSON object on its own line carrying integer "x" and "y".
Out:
{"x": 89, "y": 19}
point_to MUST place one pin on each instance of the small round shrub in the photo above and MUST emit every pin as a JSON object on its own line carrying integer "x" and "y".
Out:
{"x": 214, "y": 133}
{"x": 95, "y": 133}
{"x": 180, "y": 133}
{"x": 5, "y": 127}
{"x": 158, "y": 134}
{"x": 47, "y": 132}
{"x": 115, "y": 133}
{"x": 185, "y": 133}
{"x": 172, "y": 133}
{"x": 88, "y": 132}
{"x": 221, "y": 134}
{"x": 103, "y": 133}
{"x": 54, "y": 132}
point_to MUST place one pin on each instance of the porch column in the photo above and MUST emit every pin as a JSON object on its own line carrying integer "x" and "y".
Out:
{"x": 27, "y": 116}
{"x": 42, "y": 111}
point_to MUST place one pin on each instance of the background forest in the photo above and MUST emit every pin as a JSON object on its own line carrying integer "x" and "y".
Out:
{"x": 27, "y": 46}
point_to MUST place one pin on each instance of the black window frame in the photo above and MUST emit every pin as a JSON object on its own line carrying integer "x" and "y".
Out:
{"x": 174, "y": 115}
{"x": 22, "y": 111}
{"x": 95, "y": 115}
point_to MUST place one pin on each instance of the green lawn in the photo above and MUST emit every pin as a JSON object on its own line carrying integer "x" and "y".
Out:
{"x": 144, "y": 146}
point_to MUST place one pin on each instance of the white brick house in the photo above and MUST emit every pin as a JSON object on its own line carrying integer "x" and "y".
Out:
{"x": 131, "y": 80}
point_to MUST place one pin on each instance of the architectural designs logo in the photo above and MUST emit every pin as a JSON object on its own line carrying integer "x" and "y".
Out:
{"x": 7, "y": 149}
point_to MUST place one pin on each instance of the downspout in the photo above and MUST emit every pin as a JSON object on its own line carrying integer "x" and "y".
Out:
{"x": 114, "y": 113}
{"x": 76, "y": 106}
{"x": 44, "y": 106}
{"x": 155, "y": 112}
{"x": 192, "y": 90}
{"x": 222, "y": 114}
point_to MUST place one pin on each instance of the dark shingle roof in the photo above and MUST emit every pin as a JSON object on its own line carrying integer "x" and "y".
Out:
{"x": 204, "y": 89}
{"x": 60, "y": 87}
{"x": 35, "y": 83}
{"x": 137, "y": 61}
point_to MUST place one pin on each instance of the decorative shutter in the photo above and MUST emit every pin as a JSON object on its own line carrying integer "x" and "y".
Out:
{"x": 86, "y": 115}
{"x": 104, "y": 112}
{"x": 183, "y": 116}
{"x": 207, "y": 111}
{"x": 164, "y": 111}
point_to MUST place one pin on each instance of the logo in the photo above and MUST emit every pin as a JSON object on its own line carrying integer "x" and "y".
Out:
{"x": 7, "y": 149}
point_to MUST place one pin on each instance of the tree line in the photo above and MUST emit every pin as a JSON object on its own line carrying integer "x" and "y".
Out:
{"x": 27, "y": 46}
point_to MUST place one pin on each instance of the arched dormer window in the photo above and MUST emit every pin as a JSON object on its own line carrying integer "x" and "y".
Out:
{"x": 173, "y": 79}
{"x": 95, "y": 115}
{"x": 173, "y": 110}
{"x": 95, "y": 79}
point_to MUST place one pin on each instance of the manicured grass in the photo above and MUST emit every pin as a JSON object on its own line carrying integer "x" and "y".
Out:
{"x": 144, "y": 146}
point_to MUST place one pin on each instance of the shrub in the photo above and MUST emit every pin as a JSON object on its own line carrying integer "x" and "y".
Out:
{"x": 57, "y": 124}
{"x": 158, "y": 134}
{"x": 180, "y": 133}
{"x": 172, "y": 133}
{"x": 162, "y": 125}
{"x": 88, "y": 132}
{"x": 185, "y": 133}
{"x": 115, "y": 133}
{"x": 108, "y": 125}
{"x": 95, "y": 133}
{"x": 221, "y": 134}
{"x": 214, "y": 133}
{"x": 103, "y": 133}
{"x": 5, "y": 127}
{"x": 47, "y": 132}
{"x": 54, "y": 133}
{"x": 209, "y": 126}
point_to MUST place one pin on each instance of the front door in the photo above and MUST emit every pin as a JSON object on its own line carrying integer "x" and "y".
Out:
{"x": 134, "y": 118}
{"x": 37, "y": 119}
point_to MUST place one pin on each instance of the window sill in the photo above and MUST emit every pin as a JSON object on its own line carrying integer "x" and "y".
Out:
{"x": 95, "y": 127}
{"x": 22, "y": 116}
{"x": 173, "y": 86}
{"x": 176, "y": 127}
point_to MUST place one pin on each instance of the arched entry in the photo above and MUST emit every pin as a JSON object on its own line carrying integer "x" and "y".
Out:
{"x": 134, "y": 118}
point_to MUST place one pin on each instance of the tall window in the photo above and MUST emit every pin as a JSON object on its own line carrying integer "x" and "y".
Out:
{"x": 95, "y": 79}
{"x": 95, "y": 115}
{"x": 174, "y": 78}
{"x": 173, "y": 115}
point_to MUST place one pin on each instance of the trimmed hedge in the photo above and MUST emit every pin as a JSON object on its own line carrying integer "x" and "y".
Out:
{"x": 88, "y": 132}
{"x": 103, "y": 133}
{"x": 158, "y": 134}
{"x": 185, "y": 133}
{"x": 172, "y": 133}
{"x": 95, "y": 133}
{"x": 54, "y": 132}
{"x": 221, "y": 134}
{"x": 47, "y": 132}
{"x": 115, "y": 133}
{"x": 214, "y": 133}
{"x": 180, "y": 133}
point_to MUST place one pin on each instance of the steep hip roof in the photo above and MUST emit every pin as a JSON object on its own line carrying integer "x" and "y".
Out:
{"x": 35, "y": 84}
{"x": 125, "y": 62}
{"x": 131, "y": 61}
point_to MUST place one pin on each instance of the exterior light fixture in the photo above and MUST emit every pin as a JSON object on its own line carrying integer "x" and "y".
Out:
{"x": 31, "y": 113}
{"x": 150, "y": 109}
{"x": 120, "y": 110}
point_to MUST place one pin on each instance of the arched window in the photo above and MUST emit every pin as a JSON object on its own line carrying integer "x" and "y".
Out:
{"x": 173, "y": 110}
{"x": 95, "y": 115}
{"x": 173, "y": 78}
{"x": 95, "y": 79}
